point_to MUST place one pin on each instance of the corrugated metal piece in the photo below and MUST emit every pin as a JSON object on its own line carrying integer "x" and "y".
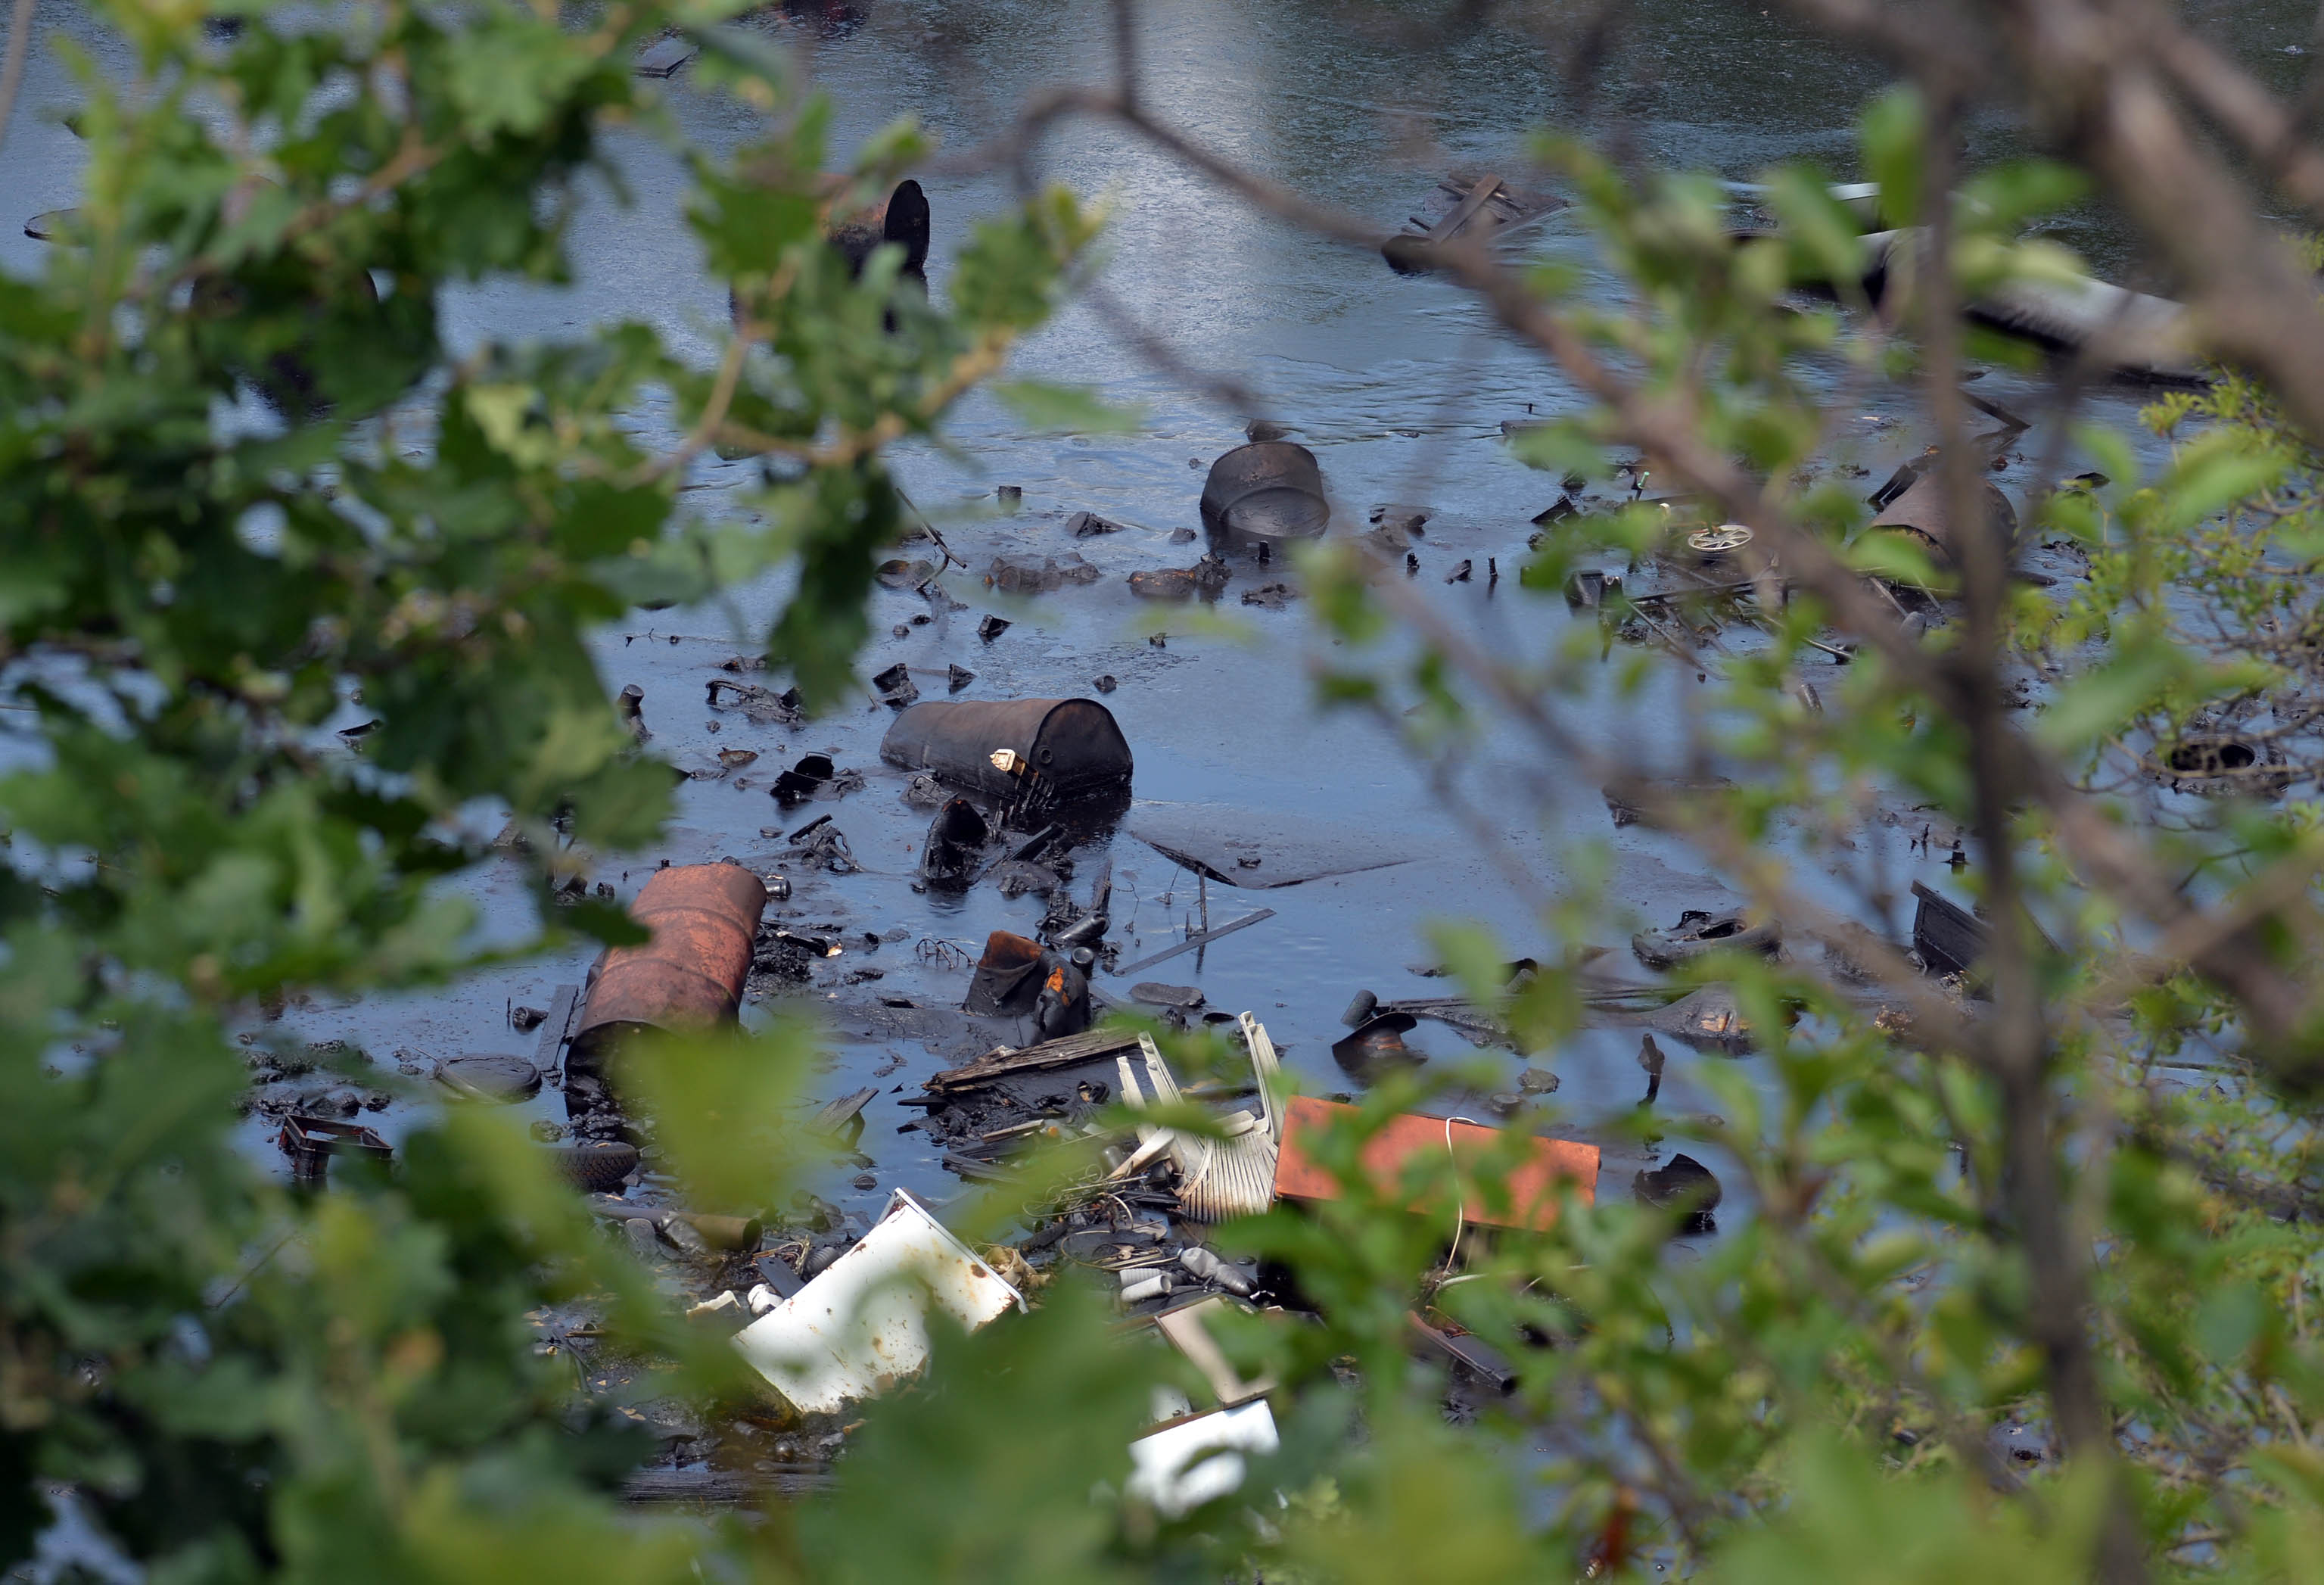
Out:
{"x": 1218, "y": 1180}
{"x": 1533, "y": 1184}
{"x": 861, "y": 1326}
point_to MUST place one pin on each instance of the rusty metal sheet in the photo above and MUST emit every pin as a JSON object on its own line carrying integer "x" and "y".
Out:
{"x": 1533, "y": 1184}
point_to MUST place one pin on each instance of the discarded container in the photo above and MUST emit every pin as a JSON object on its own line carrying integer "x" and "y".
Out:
{"x": 1069, "y": 747}
{"x": 1949, "y": 939}
{"x": 803, "y": 779}
{"x": 1533, "y": 1184}
{"x": 704, "y": 918}
{"x": 1699, "y": 933}
{"x": 1017, "y": 976}
{"x": 1139, "y": 1286}
{"x": 999, "y": 986}
{"x": 1266, "y": 492}
{"x": 1682, "y": 1184}
{"x": 1206, "y": 1266}
{"x": 1921, "y": 515}
{"x": 1199, "y": 1458}
{"x": 895, "y": 685}
{"x": 311, "y": 1142}
{"x": 490, "y": 1076}
{"x": 1375, "y": 1046}
{"x": 955, "y": 842}
{"x": 861, "y": 1327}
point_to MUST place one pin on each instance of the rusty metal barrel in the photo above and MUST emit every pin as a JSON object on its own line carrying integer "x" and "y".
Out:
{"x": 1072, "y": 746}
{"x": 1268, "y": 492}
{"x": 705, "y": 920}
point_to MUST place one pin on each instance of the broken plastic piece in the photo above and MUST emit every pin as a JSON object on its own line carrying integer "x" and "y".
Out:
{"x": 1531, "y": 1187}
{"x": 665, "y": 57}
{"x": 861, "y": 1325}
{"x": 1206, "y": 1264}
{"x": 1186, "y": 1330}
{"x": 1200, "y": 1459}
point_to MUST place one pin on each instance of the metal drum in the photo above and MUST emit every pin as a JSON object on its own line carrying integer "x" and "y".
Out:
{"x": 1069, "y": 747}
{"x": 1266, "y": 492}
{"x": 705, "y": 920}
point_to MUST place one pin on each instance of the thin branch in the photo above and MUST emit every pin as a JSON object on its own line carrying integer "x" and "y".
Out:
{"x": 12, "y": 68}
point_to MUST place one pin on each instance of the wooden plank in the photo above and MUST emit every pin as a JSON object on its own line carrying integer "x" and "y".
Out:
{"x": 1532, "y": 1185}
{"x": 1471, "y": 1354}
{"x": 842, "y": 1112}
{"x": 553, "y": 1027}
{"x": 1065, "y": 1052}
{"x": 1479, "y": 194}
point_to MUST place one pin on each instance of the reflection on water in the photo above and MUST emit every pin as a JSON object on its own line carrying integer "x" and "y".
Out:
{"x": 1400, "y": 385}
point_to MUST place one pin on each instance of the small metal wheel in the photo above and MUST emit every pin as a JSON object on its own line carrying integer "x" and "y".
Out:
{"x": 1719, "y": 542}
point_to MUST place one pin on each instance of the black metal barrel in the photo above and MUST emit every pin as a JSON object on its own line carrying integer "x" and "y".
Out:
{"x": 1072, "y": 746}
{"x": 1270, "y": 490}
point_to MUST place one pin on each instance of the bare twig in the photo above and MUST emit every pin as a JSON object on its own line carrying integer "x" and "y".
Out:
{"x": 12, "y": 66}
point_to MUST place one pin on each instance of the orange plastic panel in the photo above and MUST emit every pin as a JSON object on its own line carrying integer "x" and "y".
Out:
{"x": 1533, "y": 1184}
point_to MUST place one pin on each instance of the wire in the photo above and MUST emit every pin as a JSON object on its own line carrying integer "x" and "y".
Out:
{"x": 1460, "y": 1205}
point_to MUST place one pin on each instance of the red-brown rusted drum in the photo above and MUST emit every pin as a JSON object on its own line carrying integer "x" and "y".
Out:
{"x": 704, "y": 919}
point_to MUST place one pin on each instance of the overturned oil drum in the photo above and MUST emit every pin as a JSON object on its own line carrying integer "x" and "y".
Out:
{"x": 1070, "y": 746}
{"x": 1266, "y": 492}
{"x": 705, "y": 918}
{"x": 1921, "y": 515}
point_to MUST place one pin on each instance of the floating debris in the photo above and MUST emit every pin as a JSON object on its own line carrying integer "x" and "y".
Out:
{"x": 859, "y": 1326}
{"x": 1533, "y": 1187}
{"x": 1698, "y": 934}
